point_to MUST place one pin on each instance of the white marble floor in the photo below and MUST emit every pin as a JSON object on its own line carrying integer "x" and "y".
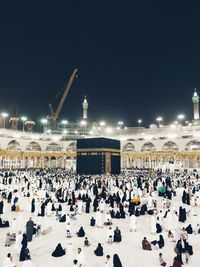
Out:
{"x": 129, "y": 250}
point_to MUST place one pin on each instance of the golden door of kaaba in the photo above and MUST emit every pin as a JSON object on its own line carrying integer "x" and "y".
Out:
{"x": 108, "y": 162}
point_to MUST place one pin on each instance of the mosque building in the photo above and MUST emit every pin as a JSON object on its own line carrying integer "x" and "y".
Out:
{"x": 173, "y": 147}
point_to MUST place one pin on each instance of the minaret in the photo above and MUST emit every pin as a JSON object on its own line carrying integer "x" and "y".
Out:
{"x": 195, "y": 100}
{"x": 85, "y": 109}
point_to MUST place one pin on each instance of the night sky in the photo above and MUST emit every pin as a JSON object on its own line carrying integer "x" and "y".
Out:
{"x": 136, "y": 60}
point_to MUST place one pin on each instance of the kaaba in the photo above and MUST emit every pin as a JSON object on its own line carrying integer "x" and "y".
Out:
{"x": 98, "y": 156}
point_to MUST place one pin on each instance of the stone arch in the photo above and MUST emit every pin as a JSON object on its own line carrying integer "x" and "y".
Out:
{"x": 13, "y": 145}
{"x": 33, "y": 146}
{"x": 71, "y": 147}
{"x": 128, "y": 147}
{"x": 148, "y": 147}
{"x": 53, "y": 147}
{"x": 193, "y": 145}
{"x": 170, "y": 146}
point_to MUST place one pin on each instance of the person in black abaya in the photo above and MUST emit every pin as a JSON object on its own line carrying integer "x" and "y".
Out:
{"x": 189, "y": 229}
{"x": 95, "y": 204}
{"x": 179, "y": 250}
{"x": 33, "y": 205}
{"x": 42, "y": 210}
{"x": 99, "y": 250}
{"x": 182, "y": 214}
{"x": 4, "y": 224}
{"x": 9, "y": 197}
{"x": 29, "y": 229}
{"x": 161, "y": 242}
{"x": 184, "y": 197}
{"x": 188, "y": 199}
{"x": 59, "y": 251}
{"x": 24, "y": 254}
{"x": 117, "y": 215}
{"x": 158, "y": 226}
{"x": 92, "y": 221}
{"x": 63, "y": 218}
{"x": 112, "y": 214}
{"x": 116, "y": 261}
{"x": 1, "y": 207}
{"x": 81, "y": 232}
{"x": 111, "y": 201}
{"x": 117, "y": 235}
{"x": 87, "y": 207}
{"x": 24, "y": 242}
{"x": 122, "y": 212}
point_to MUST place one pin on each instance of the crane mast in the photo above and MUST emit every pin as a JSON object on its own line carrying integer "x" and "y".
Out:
{"x": 55, "y": 115}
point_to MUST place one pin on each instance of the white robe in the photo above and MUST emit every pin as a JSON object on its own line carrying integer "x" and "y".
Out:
{"x": 80, "y": 207}
{"x": 98, "y": 219}
{"x": 153, "y": 225}
{"x": 18, "y": 241}
{"x": 109, "y": 233}
{"x": 48, "y": 208}
{"x": 81, "y": 259}
{"x": 133, "y": 222}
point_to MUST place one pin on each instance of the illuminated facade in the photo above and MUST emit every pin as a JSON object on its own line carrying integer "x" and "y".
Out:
{"x": 168, "y": 147}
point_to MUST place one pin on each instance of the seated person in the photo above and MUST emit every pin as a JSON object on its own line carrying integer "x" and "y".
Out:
{"x": 86, "y": 242}
{"x": 122, "y": 214}
{"x": 59, "y": 251}
{"x": 117, "y": 235}
{"x": 112, "y": 214}
{"x": 137, "y": 200}
{"x": 177, "y": 262}
{"x": 145, "y": 244}
{"x": 63, "y": 218}
{"x": 184, "y": 234}
{"x": 189, "y": 229}
{"x": 137, "y": 212}
{"x": 4, "y": 224}
{"x": 92, "y": 221}
{"x": 118, "y": 215}
{"x": 99, "y": 250}
{"x": 160, "y": 242}
{"x": 108, "y": 220}
{"x": 10, "y": 239}
{"x": 75, "y": 263}
{"x": 81, "y": 232}
{"x": 161, "y": 261}
{"x": 171, "y": 236}
{"x": 68, "y": 230}
{"x": 158, "y": 227}
{"x": 143, "y": 209}
{"x": 74, "y": 212}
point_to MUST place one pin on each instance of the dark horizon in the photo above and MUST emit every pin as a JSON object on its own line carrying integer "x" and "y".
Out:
{"x": 136, "y": 61}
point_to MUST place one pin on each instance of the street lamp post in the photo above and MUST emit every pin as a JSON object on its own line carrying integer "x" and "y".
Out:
{"x": 44, "y": 123}
{"x": 159, "y": 119}
{"x": 180, "y": 118}
{"x": 139, "y": 123}
{"x": 83, "y": 124}
{"x": 120, "y": 123}
{"x": 23, "y": 118}
{"x": 4, "y": 115}
{"x": 64, "y": 123}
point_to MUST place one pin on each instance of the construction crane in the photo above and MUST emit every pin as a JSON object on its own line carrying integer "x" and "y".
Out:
{"x": 54, "y": 115}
